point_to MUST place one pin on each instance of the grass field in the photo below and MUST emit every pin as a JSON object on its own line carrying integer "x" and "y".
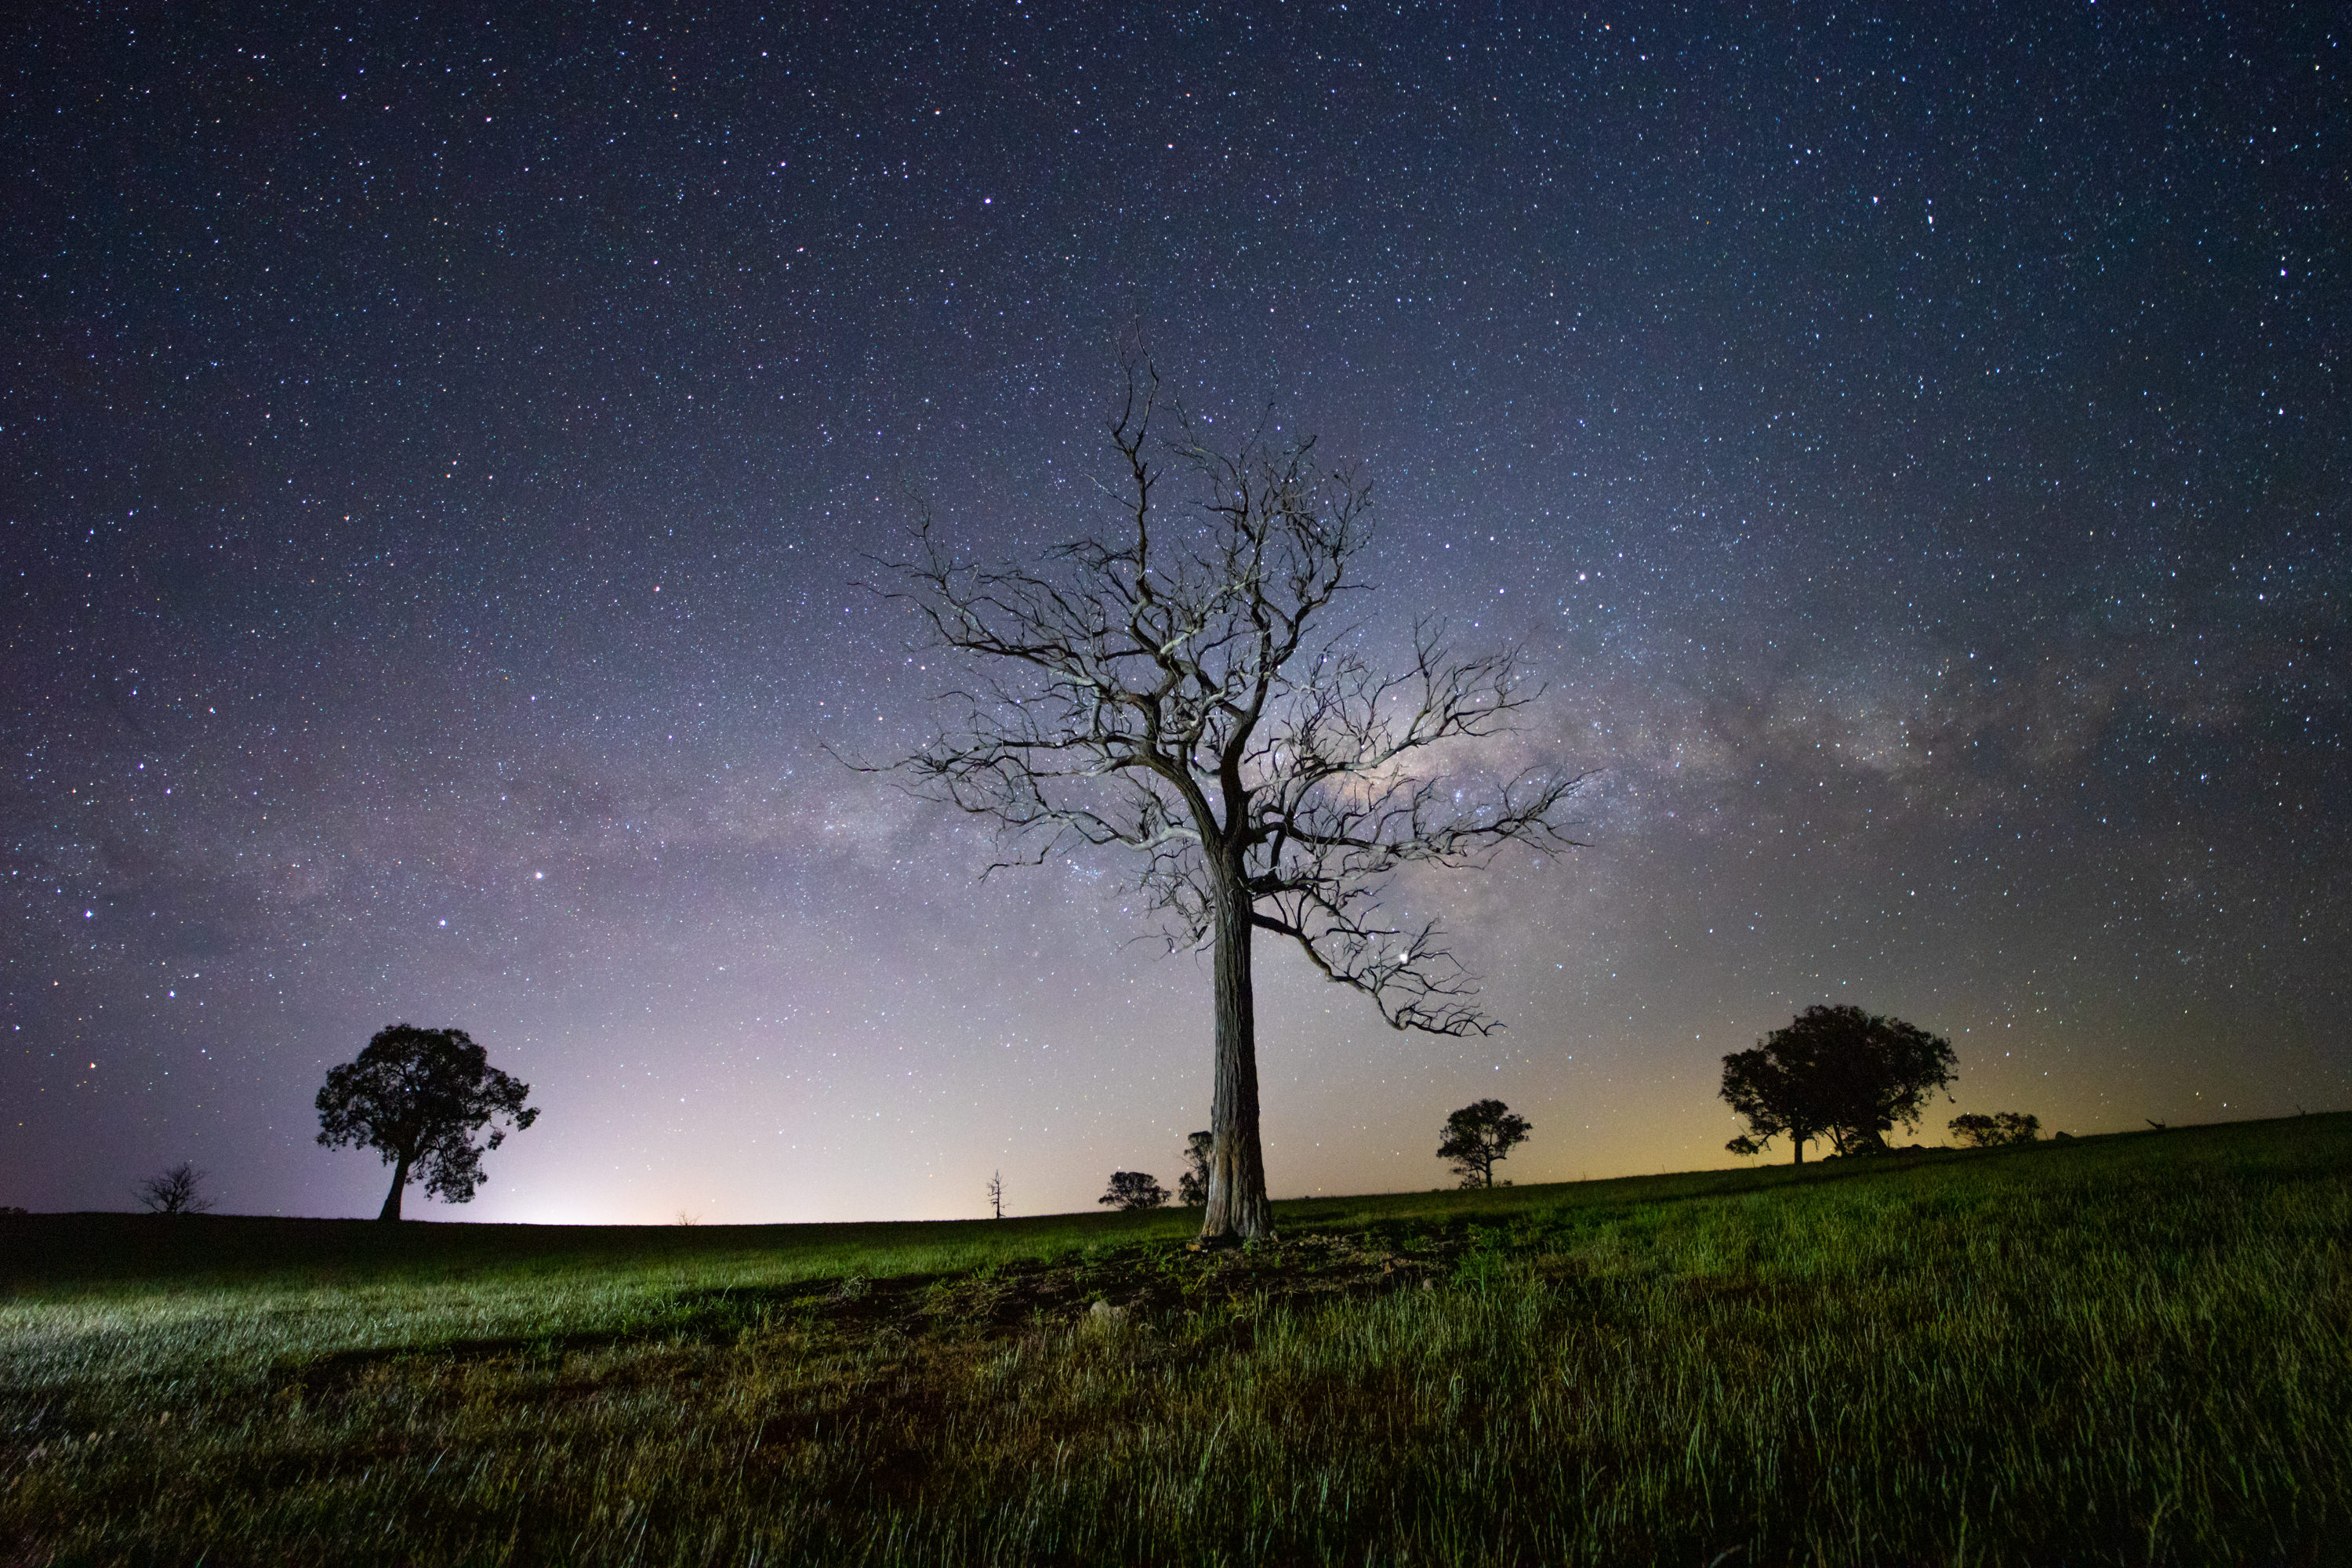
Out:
{"x": 2134, "y": 1349}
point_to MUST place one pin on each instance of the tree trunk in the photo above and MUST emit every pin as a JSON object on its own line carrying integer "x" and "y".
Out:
{"x": 1238, "y": 1209}
{"x": 1799, "y": 1144}
{"x": 399, "y": 1186}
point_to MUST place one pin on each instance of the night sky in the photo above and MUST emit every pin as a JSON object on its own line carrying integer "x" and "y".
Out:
{"x": 438, "y": 454}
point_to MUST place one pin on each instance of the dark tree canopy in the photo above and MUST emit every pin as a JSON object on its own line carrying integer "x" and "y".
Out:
{"x": 418, "y": 1097}
{"x": 1133, "y": 1190}
{"x": 1192, "y": 1186}
{"x": 179, "y": 1189}
{"x": 1183, "y": 688}
{"x": 1838, "y": 1073}
{"x": 1978, "y": 1130}
{"x": 1479, "y": 1135}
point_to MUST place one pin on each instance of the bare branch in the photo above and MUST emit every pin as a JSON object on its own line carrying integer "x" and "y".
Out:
{"x": 1154, "y": 690}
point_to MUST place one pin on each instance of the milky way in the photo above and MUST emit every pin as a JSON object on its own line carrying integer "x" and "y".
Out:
{"x": 440, "y": 455}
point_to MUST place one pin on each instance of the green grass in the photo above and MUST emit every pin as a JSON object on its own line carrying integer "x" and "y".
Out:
{"x": 2125, "y": 1350}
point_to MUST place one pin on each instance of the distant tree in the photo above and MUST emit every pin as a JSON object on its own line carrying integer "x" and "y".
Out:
{"x": 1838, "y": 1073}
{"x": 996, "y": 1195}
{"x": 1477, "y": 1136}
{"x": 1981, "y": 1131}
{"x": 1185, "y": 688}
{"x": 418, "y": 1097}
{"x": 1133, "y": 1190}
{"x": 1193, "y": 1186}
{"x": 179, "y": 1189}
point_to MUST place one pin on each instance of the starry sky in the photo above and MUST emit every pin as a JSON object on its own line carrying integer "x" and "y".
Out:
{"x": 437, "y": 455}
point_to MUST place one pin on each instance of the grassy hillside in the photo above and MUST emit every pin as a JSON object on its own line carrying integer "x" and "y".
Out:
{"x": 2131, "y": 1349}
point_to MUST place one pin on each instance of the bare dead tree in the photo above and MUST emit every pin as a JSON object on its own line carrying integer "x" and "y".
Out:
{"x": 1174, "y": 689}
{"x": 996, "y": 1195}
{"x": 179, "y": 1189}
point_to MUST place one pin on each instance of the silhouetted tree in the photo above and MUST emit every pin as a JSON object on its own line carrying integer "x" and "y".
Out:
{"x": 418, "y": 1097}
{"x": 1192, "y": 1186}
{"x": 1477, "y": 1135}
{"x": 996, "y": 1195}
{"x": 1133, "y": 1190}
{"x": 1772, "y": 1091}
{"x": 1981, "y": 1131}
{"x": 1175, "y": 688}
{"x": 1834, "y": 1072}
{"x": 179, "y": 1189}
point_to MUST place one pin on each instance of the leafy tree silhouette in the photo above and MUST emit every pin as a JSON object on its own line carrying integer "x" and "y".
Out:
{"x": 1834, "y": 1072}
{"x": 1981, "y": 1131}
{"x": 418, "y": 1097}
{"x": 1193, "y": 1186}
{"x": 1133, "y": 1190}
{"x": 1479, "y": 1135}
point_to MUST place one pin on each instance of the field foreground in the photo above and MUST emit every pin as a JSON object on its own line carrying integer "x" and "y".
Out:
{"x": 2119, "y": 1350}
